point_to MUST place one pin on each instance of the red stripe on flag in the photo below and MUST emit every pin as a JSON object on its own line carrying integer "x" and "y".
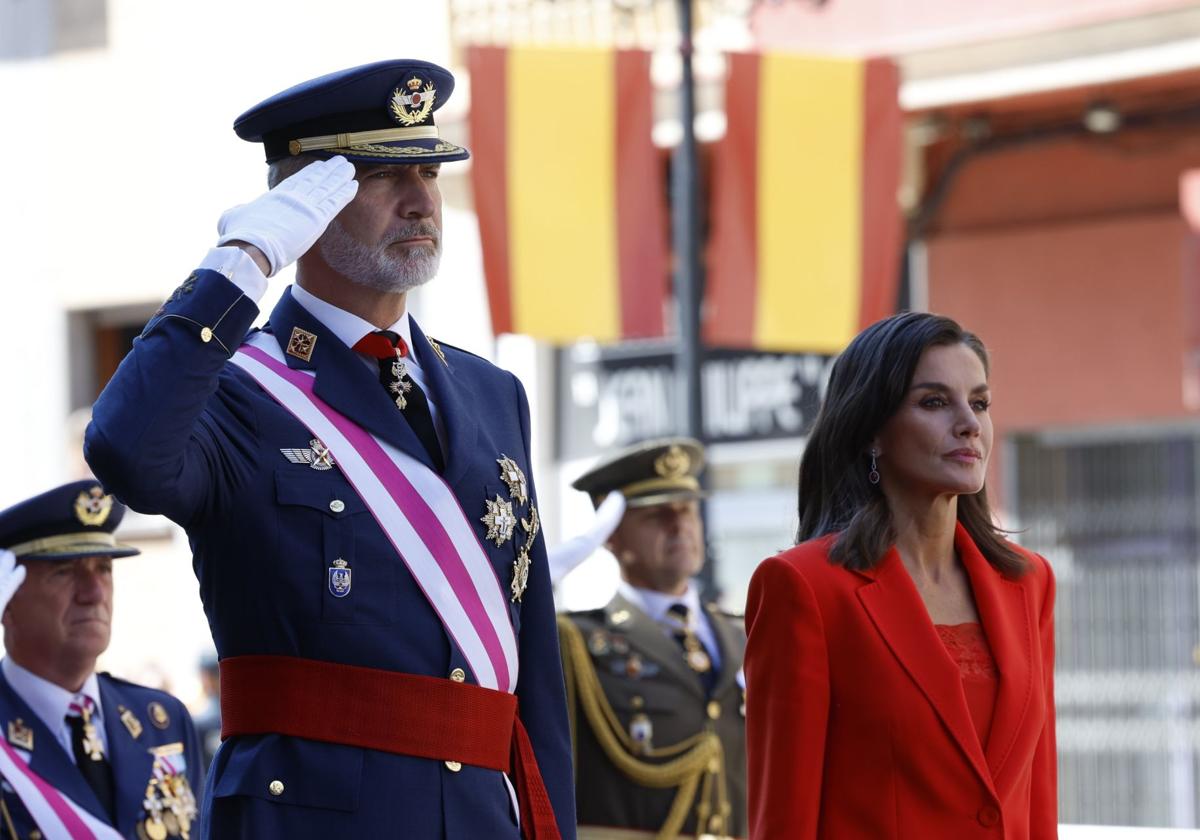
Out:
{"x": 642, "y": 228}
{"x": 881, "y": 231}
{"x": 488, "y": 67}
{"x": 733, "y": 252}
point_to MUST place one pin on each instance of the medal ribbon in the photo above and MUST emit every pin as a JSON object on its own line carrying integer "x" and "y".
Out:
{"x": 56, "y": 816}
{"x": 417, "y": 511}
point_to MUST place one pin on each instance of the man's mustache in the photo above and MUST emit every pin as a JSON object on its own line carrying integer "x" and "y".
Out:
{"x": 416, "y": 230}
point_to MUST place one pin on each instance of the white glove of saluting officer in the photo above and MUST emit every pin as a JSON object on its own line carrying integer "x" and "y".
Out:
{"x": 11, "y": 575}
{"x": 285, "y": 222}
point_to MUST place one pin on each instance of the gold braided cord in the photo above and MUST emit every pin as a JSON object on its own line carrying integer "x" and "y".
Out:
{"x": 697, "y": 756}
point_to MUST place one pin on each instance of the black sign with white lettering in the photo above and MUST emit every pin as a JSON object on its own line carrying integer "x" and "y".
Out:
{"x": 612, "y": 397}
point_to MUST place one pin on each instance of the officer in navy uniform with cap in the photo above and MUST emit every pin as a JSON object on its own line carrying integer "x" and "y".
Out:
{"x": 357, "y": 495}
{"x": 125, "y": 753}
{"x": 654, "y": 678}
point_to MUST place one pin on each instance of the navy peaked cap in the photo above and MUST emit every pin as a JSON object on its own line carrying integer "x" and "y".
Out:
{"x": 375, "y": 113}
{"x": 66, "y": 523}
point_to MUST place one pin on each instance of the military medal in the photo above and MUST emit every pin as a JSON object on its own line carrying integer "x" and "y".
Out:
{"x": 169, "y": 803}
{"x": 400, "y": 384}
{"x": 598, "y": 643}
{"x": 521, "y": 565}
{"x": 518, "y": 487}
{"x": 633, "y": 666}
{"x": 500, "y": 520}
{"x": 520, "y": 575}
{"x": 697, "y": 659}
{"x": 641, "y": 731}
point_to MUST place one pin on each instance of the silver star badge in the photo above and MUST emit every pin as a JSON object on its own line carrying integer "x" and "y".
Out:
{"x": 518, "y": 488}
{"x": 500, "y": 519}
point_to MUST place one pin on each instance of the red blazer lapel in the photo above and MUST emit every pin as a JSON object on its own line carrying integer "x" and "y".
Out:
{"x": 896, "y": 608}
{"x": 1007, "y": 616}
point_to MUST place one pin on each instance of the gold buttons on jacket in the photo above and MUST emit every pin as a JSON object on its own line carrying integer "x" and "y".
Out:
{"x": 276, "y": 787}
{"x": 988, "y": 816}
{"x": 458, "y": 675}
{"x": 714, "y": 710}
{"x": 337, "y": 506}
{"x": 453, "y": 766}
{"x": 206, "y": 335}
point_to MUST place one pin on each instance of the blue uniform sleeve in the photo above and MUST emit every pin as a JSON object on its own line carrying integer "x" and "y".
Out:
{"x": 149, "y": 441}
{"x": 540, "y": 690}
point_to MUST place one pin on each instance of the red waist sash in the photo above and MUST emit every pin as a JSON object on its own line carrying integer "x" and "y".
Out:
{"x": 386, "y": 710}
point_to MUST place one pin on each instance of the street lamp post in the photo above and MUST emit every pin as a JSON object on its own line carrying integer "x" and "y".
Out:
{"x": 685, "y": 235}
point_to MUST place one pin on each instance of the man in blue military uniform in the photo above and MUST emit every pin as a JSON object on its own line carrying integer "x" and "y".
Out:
{"x": 357, "y": 496}
{"x": 124, "y": 753}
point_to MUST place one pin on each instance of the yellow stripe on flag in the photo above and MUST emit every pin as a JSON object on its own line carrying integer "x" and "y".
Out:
{"x": 809, "y": 202}
{"x": 562, "y": 194}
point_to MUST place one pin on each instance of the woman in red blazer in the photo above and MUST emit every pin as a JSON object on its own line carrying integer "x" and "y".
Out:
{"x": 900, "y": 661}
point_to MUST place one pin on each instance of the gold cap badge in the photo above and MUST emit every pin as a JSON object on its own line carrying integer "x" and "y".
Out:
{"x": 92, "y": 507}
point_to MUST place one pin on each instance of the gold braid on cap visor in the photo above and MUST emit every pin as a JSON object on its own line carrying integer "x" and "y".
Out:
{"x": 83, "y": 538}
{"x": 360, "y": 138}
{"x": 686, "y": 482}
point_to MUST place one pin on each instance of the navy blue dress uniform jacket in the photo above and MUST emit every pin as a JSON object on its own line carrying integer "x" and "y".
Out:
{"x": 130, "y": 755}
{"x": 178, "y": 431}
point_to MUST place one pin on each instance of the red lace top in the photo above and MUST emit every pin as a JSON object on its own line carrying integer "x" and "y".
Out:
{"x": 968, "y": 647}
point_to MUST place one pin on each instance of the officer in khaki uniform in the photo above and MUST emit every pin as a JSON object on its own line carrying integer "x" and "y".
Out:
{"x": 654, "y": 678}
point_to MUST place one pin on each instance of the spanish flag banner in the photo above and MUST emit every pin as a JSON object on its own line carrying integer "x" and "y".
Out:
{"x": 569, "y": 192}
{"x": 806, "y": 229}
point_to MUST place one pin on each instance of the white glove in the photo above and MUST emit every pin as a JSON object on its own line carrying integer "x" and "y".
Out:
{"x": 565, "y": 556}
{"x": 11, "y": 575}
{"x": 285, "y": 222}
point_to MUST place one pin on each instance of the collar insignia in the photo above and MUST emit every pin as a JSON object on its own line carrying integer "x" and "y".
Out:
{"x": 131, "y": 722}
{"x": 20, "y": 735}
{"x": 301, "y": 344}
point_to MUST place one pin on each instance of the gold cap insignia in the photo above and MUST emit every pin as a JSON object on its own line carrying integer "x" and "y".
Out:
{"x": 301, "y": 344}
{"x": 20, "y": 735}
{"x": 93, "y": 507}
{"x": 158, "y": 715}
{"x": 411, "y": 103}
{"x": 674, "y": 463}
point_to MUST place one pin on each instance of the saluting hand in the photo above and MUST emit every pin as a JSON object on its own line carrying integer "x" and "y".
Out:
{"x": 285, "y": 222}
{"x": 11, "y": 575}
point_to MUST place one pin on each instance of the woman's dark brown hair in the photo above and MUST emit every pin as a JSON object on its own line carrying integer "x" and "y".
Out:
{"x": 868, "y": 383}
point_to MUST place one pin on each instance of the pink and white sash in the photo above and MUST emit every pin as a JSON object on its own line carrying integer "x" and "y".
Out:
{"x": 417, "y": 511}
{"x": 57, "y": 816}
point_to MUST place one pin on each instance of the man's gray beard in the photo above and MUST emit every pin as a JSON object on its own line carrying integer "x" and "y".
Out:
{"x": 374, "y": 267}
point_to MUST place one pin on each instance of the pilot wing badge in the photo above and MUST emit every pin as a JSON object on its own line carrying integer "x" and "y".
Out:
{"x": 316, "y": 456}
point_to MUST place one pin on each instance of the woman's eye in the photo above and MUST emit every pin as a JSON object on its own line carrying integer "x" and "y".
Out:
{"x": 932, "y": 402}
{"x": 981, "y": 405}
